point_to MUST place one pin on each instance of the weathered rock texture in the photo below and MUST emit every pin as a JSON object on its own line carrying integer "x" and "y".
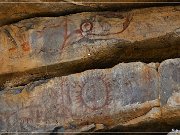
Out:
{"x": 125, "y": 95}
{"x": 15, "y": 10}
{"x": 43, "y": 83}
{"x": 46, "y": 47}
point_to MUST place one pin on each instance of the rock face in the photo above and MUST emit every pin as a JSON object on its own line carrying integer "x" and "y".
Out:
{"x": 15, "y": 10}
{"x": 31, "y": 48}
{"x": 89, "y": 71}
{"x": 126, "y": 95}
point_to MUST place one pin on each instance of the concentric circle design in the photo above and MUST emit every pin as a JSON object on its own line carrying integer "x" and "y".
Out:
{"x": 86, "y": 26}
{"x": 94, "y": 93}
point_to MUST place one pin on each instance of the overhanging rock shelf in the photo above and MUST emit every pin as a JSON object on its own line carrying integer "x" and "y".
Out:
{"x": 48, "y": 47}
{"x": 82, "y": 69}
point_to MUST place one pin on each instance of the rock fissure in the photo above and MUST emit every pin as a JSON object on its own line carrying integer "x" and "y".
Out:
{"x": 56, "y": 9}
{"x": 105, "y": 58}
{"x": 90, "y": 71}
{"x": 133, "y": 110}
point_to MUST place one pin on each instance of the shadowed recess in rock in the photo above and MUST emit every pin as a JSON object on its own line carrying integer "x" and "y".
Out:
{"x": 42, "y": 48}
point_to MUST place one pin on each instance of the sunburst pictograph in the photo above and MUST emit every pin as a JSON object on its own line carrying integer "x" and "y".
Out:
{"x": 94, "y": 91}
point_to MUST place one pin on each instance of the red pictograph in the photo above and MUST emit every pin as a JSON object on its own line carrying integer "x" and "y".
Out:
{"x": 86, "y": 28}
{"x": 94, "y": 95}
{"x": 75, "y": 34}
{"x": 63, "y": 103}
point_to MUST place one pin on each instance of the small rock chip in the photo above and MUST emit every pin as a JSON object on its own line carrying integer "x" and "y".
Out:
{"x": 87, "y": 128}
{"x": 99, "y": 126}
{"x": 174, "y": 132}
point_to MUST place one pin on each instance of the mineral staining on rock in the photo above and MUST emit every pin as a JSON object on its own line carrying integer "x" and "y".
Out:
{"x": 23, "y": 9}
{"x": 45, "y": 41}
{"x": 170, "y": 82}
{"x": 125, "y": 95}
{"x": 45, "y": 47}
{"x": 128, "y": 90}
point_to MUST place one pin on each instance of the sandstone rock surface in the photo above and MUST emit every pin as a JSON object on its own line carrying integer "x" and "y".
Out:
{"x": 61, "y": 66}
{"x": 42, "y": 47}
{"x": 15, "y": 10}
{"x": 125, "y": 95}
